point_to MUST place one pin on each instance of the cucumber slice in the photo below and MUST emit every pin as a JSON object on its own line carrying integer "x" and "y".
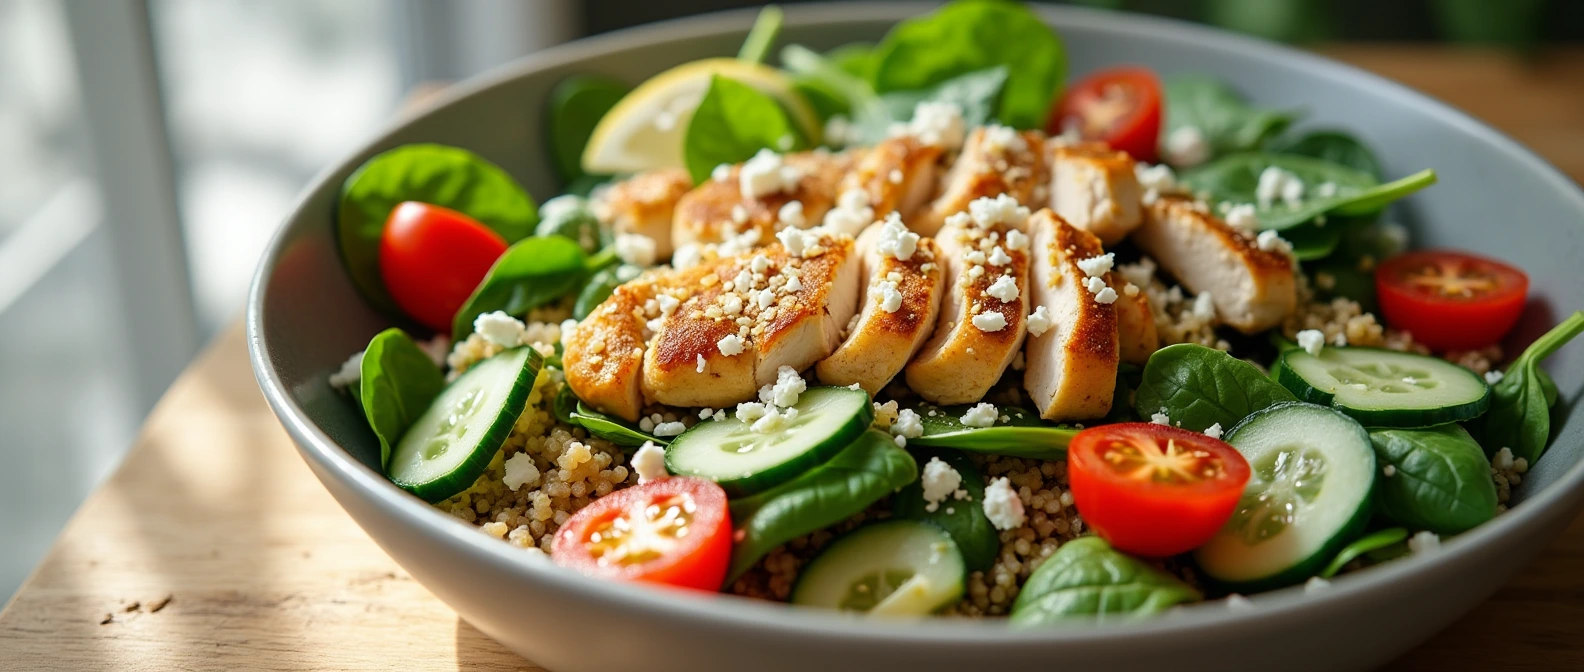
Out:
{"x": 1385, "y": 388}
{"x": 744, "y": 462}
{"x": 893, "y": 568}
{"x": 1312, "y": 470}
{"x": 449, "y": 446}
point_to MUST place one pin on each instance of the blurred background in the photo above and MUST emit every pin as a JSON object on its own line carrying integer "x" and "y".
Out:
{"x": 149, "y": 148}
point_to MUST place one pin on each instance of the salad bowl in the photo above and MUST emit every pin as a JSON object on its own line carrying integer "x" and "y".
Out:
{"x": 1496, "y": 197}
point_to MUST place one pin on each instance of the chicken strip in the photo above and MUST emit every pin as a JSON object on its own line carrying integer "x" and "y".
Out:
{"x": 1094, "y": 188}
{"x": 760, "y": 197}
{"x": 644, "y": 204}
{"x": 603, "y": 355}
{"x": 1252, "y": 288}
{"x": 986, "y": 301}
{"x": 995, "y": 160}
{"x": 1071, "y": 362}
{"x": 902, "y": 301}
{"x": 897, "y": 175}
{"x": 1136, "y": 335}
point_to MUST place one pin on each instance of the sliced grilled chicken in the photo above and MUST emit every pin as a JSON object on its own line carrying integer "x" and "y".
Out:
{"x": 1252, "y": 289}
{"x": 897, "y": 175}
{"x": 603, "y": 355}
{"x": 1093, "y": 187}
{"x": 721, "y": 209}
{"x": 644, "y": 204}
{"x": 1136, "y": 335}
{"x": 781, "y": 305}
{"x": 995, "y": 160}
{"x": 1071, "y": 365}
{"x": 903, "y": 285}
{"x": 985, "y": 304}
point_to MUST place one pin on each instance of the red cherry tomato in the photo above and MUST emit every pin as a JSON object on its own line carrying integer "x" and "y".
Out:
{"x": 1154, "y": 490}
{"x": 432, "y": 258}
{"x": 674, "y": 531}
{"x": 1118, "y": 106}
{"x": 1450, "y": 300}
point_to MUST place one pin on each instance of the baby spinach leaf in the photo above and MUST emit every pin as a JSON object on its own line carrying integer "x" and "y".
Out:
{"x": 1312, "y": 241}
{"x": 1373, "y": 541}
{"x": 1024, "y": 434}
{"x": 565, "y": 404}
{"x": 1086, "y": 579}
{"x": 863, "y": 473}
{"x": 971, "y": 35}
{"x": 601, "y": 286}
{"x": 1335, "y": 146}
{"x": 575, "y": 106}
{"x": 962, "y": 519}
{"x": 449, "y": 177}
{"x": 1520, "y": 412}
{"x": 1440, "y": 479}
{"x": 763, "y": 34}
{"x": 732, "y": 123}
{"x": 1198, "y": 387}
{"x": 612, "y": 428}
{"x": 1223, "y": 116}
{"x": 976, "y": 93}
{"x": 399, "y": 381}
{"x": 570, "y": 216}
{"x": 856, "y": 59}
{"x": 1235, "y": 179}
{"x": 531, "y": 273}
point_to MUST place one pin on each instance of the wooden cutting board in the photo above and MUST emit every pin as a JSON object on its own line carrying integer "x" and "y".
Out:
{"x": 213, "y": 547}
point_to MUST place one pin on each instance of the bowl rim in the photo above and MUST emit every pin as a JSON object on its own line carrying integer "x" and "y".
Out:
{"x": 725, "y": 612}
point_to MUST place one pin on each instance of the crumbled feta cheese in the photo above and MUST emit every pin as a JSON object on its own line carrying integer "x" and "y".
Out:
{"x": 1158, "y": 178}
{"x": 981, "y": 415}
{"x": 520, "y": 471}
{"x": 791, "y": 214}
{"x": 975, "y": 257}
{"x": 1105, "y": 296}
{"x": 721, "y": 173}
{"x": 500, "y": 329}
{"x": 895, "y": 176}
{"x": 1243, "y": 216}
{"x": 1095, "y": 267}
{"x": 838, "y": 131}
{"x": 669, "y": 429}
{"x": 1276, "y": 183}
{"x": 1000, "y": 139}
{"x": 938, "y": 123}
{"x": 1039, "y": 321}
{"x": 890, "y": 298}
{"x": 1270, "y": 241}
{"x": 939, "y": 480}
{"x": 350, "y": 373}
{"x": 1424, "y": 542}
{"x": 766, "y": 174}
{"x": 739, "y": 214}
{"x": 785, "y": 390}
{"x": 1160, "y": 418}
{"x": 1016, "y": 240}
{"x": 1213, "y": 431}
{"x": 1003, "y": 209}
{"x": 999, "y": 257}
{"x": 1326, "y": 190}
{"x": 1004, "y": 288}
{"x": 851, "y": 214}
{"x": 649, "y": 462}
{"x": 1316, "y": 584}
{"x": 773, "y": 420}
{"x": 1002, "y": 506}
{"x": 989, "y": 321}
{"x": 1494, "y": 376}
{"x": 635, "y": 248}
{"x": 687, "y": 256}
{"x": 1187, "y": 146}
{"x": 730, "y": 345}
{"x": 1094, "y": 285}
{"x": 908, "y": 424}
{"x": 1312, "y": 341}
{"x": 1503, "y": 459}
{"x": 796, "y": 241}
{"x": 700, "y": 360}
{"x": 896, "y": 241}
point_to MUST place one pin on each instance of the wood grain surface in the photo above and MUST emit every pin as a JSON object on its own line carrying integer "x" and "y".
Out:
{"x": 213, "y": 547}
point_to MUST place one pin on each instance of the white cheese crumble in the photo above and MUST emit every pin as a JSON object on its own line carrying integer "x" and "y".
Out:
{"x": 785, "y": 390}
{"x": 1213, "y": 431}
{"x": 766, "y": 174}
{"x": 1105, "y": 296}
{"x": 350, "y": 373}
{"x": 1095, "y": 267}
{"x": 981, "y": 415}
{"x": 1187, "y": 146}
{"x": 1094, "y": 285}
{"x": 1004, "y": 288}
{"x": 940, "y": 124}
{"x": 1494, "y": 376}
{"x": 1270, "y": 241}
{"x": 649, "y": 462}
{"x": 1312, "y": 341}
{"x": 1156, "y": 180}
{"x": 851, "y": 214}
{"x": 731, "y": 345}
{"x": 895, "y": 176}
{"x": 908, "y": 424}
{"x": 669, "y": 429}
{"x": 890, "y": 298}
{"x": 1002, "y": 506}
{"x": 797, "y": 242}
{"x": 1016, "y": 240}
{"x": 998, "y": 257}
{"x": 1039, "y": 321}
{"x": 989, "y": 321}
{"x": 635, "y": 248}
{"x": 1000, "y": 139}
{"x": 700, "y": 361}
{"x": 1160, "y": 418}
{"x": 773, "y": 420}
{"x": 1278, "y": 184}
{"x": 500, "y": 329}
{"x": 791, "y": 214}
{"x": 939, "y": 480}
{"x": 1326, "y": 190}
{"x": 721, "y": 173}
{"x": 1243, "y": 216}
{"x": 1003, "y": 209}
{"x": 687, "y": 256}
{"x": 896, "y": 241}
{"x": 839, "y": 131}
{"x": 1424, "y": 542}
{"x": 520, "y": 471}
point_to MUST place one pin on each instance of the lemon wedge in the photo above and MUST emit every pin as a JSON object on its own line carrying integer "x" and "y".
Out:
{"x": 645, "y": 130}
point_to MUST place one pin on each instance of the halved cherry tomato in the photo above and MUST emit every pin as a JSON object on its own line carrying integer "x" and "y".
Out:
{"x": 1450, "y": 300}
{"x": 432, "y": 258}
{"x": 1154, "y": 490}
{"x": 1118, "y": 106}
{"x": 675, "y": 531}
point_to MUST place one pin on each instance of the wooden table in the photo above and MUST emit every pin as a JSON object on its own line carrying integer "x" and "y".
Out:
{"x": 213, "y": 547}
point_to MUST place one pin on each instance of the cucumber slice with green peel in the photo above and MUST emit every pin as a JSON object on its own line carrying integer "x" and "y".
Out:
{"x": 1385, "y": 388}
{"x": 449, "y": 446}
{"x": 1312, "y": 470}
{"x": 892, "y": 568}
{"x": 744, "y": 462}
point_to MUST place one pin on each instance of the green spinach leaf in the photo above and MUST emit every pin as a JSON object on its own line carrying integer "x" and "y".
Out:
{"x": 531, "y": 273}
{"x": 1373, "y": 541}
{"x": 862, "y": 474}
{"x": 399, "y": 381}
{"x": 449, "y": 177}
{"x": 1086, "y": 579}
{"x": 1198, "y": 387}
{"x": 1312, "y": 241}
{"x": 601, "y": 286}
{"x": 1520, "y": 412}
{"x": 962, "y": 519}
{"x": 1440, "y": 480}
{"x": 612, "y": 428}
{"x": 971, "y": 35}
{"x": 856, "y": 59}
{"x": 1024, "y": 434}
{"x": 565, "y": 405}
{"x": 576, "y": 105}
{"x": 570, "y": 216}
{"x": 732, "y": 123}
{"x": 1235, "y": 179}
{"x": 1335, "y": 146}
{"x": 1223, "y": 116}
{"x": 977, "y": 93}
